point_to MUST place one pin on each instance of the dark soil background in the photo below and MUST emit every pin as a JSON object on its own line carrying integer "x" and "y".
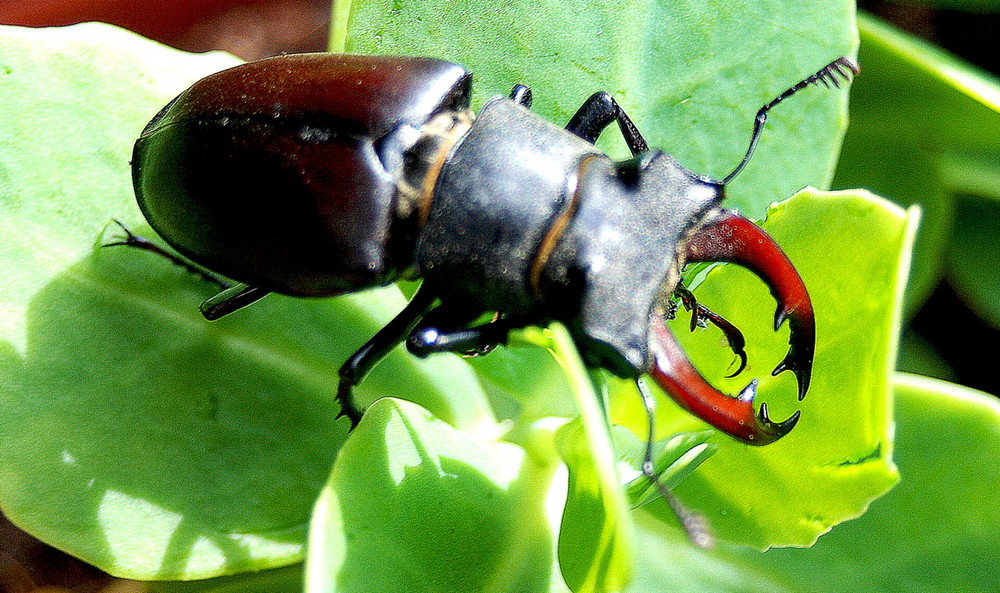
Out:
{"x": 965, "y": 341}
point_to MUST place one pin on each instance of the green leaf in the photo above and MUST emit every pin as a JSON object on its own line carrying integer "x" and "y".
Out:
{"x": 158, "y": 446}
{"x": 925, "y": 126}
{"x": 136, "y": 435}
{"x": 852, "y": 250}
{"x": 974, "y": 257}
{"x": 690, "y": 73}
{"x": 415, "y": 505}
{"x": 673, "y": 460}
{"x": 276, "y": 580}
{"x": 935, "y": 532}
{"x": 595, "y": 536}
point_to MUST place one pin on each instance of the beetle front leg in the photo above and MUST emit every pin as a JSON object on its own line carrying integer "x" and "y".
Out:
{"x": 597, "y": 113}
{"x": 729, "y": 237}
{"x": 675, "y": 374}
{"x": 694, "y": 524}
{"x": 733, "y": 334}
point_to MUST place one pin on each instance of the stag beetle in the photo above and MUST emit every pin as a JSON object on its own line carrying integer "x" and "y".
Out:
{"x": 321, "y": 174}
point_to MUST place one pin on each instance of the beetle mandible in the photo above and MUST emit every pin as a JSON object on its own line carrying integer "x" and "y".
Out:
{"x": 323, "y": 174}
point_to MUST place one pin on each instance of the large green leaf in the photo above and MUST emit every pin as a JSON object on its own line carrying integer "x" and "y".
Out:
{"x": 134, "y": 434}
{"x": 156, "y": 445}
{"x": 934, "y": 533}
{"x": 937, "y": 530}
{"x": 691, "y": 73}
{"x": 853, "y": 251}
{"x": 415, "y": 505}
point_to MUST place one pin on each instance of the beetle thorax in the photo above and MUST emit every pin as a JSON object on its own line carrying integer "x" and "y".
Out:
{"x": 498, "y": 194}
{"x": 534, "y": 222}
{"x": 427, "y": 150}
{"x": 619, "y": 256}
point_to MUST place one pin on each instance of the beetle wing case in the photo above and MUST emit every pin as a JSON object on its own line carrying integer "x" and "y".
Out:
{"x": 270, "y": 172}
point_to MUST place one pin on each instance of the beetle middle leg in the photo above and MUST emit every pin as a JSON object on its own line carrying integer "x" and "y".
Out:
{"x": 443, "y": 330}
{"x": 355, "y": 368}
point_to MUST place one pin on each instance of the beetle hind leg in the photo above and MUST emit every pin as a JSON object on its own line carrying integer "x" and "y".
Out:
{"x": 357, "y": 367}
{"x": 232, "y": 297}
{"x": 130, "y": 239}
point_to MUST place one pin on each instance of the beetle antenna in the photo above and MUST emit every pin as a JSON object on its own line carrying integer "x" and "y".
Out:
{"x": 843, "y": 67}
{"x": 694, "y": 525}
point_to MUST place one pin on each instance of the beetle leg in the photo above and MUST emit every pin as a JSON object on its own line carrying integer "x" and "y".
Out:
{"x": 230, "y": 300}
{"x": 694, "y": 524}
{"x": 355, "y": 368}
{"x": 435, "y": 334}
{"x": 521, "y": 94}
{"x": 597, "y": 113}
{"x": 698, "y": 311}
{"x": 133, "y": 240}
{"x": 730, "y": 237}
{"x": 233, "y": 296}
{"x": 675, "y": 374}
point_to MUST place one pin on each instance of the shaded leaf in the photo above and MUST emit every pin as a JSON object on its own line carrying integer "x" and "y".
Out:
{"x": 136, "y": 435}
{"x": 936, "y": 531}
{"x": 925, "y": 125}
{"x": 416, "y": 505}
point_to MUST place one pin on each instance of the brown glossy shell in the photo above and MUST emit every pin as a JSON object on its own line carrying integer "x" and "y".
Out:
{"x": 277, "y": 173}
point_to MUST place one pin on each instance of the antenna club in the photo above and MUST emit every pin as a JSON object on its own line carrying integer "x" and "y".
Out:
{"x": 841, "y": 70}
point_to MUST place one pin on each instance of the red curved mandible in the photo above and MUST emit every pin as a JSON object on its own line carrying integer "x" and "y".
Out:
{"x": 729, "y": 237}
{"x": 735, "y": 416}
